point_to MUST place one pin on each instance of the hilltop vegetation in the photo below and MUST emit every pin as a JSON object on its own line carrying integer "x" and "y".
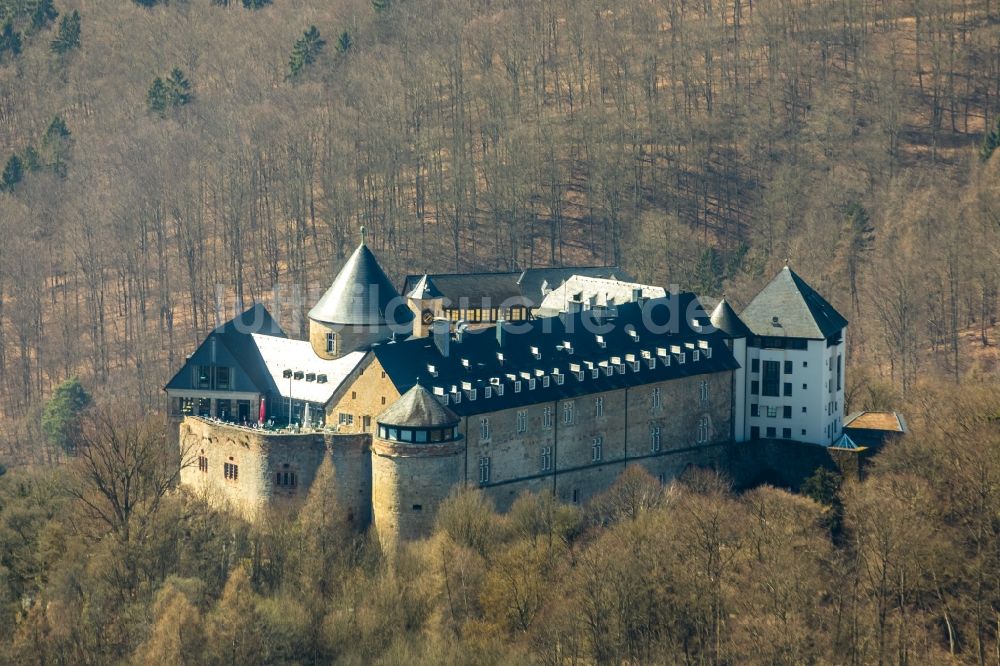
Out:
{"x": 902, "y": 568}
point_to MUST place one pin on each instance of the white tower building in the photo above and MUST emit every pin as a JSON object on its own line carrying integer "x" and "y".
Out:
{"x": 794, "y": 370}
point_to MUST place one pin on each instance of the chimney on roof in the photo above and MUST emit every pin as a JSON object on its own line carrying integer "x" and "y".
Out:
{"x": 636, "y": 294}
{"x": 440, "y": 331}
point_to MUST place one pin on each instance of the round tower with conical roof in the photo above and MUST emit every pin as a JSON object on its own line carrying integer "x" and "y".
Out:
{"x": 417, "y": 455}
{"x": 729, "y": 324}
{"x": 360, "y": 308}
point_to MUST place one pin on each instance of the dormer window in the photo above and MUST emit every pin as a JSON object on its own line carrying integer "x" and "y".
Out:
{"x": 331, "y": 344}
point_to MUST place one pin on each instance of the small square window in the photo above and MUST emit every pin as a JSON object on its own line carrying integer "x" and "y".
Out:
{"x": 805, "y": 364}
{"x": 772, "y": 412}
{"x": 771, "y": 432}
{"x": 805, "y": 387}
{"x": 803, "y": 410}
{"x": 754, "y": 409}
{"x": 803, "y": 432}
{"x": 786, "y": 433}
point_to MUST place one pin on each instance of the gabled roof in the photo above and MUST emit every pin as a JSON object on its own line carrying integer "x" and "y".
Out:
{"x": 424, "y": 289}
{"x": 232, "y": 344}
{"x": 788, "y": 307}
{"x": 584, "y": 289}
{"x": 419, "y": 409}
{"x": 726, "y": 320}
{"x": 506, "y": 288}
{"x": 538, "y": 348}
{"x": 361, "y": 294}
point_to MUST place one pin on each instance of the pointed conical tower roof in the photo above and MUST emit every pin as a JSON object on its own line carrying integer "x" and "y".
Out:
{"x": 361, "y": 294}
{"x": 425, "y": 289}
{"x": 417, "y": 408}
{"x": 726, "y": 320}
{"x": 788, "y": 307}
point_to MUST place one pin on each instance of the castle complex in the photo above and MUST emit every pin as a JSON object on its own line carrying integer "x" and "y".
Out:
{"x": 548, "y": 380}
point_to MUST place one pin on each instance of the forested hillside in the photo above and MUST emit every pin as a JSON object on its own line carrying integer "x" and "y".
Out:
{"x": 903, "y": 568}
{"x": 160, "y": 158}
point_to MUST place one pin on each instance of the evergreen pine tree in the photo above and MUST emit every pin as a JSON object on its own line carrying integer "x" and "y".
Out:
{"x": 43, "y": 14}
{"x": 56, "y": 143}
{"x": 381, "y": 5}
{"x": 305, "y": 51}
{"x": 255, "y": 4}
{"x": 990, "y": 142}
{"x": 178, "y": 88}
{"x": 10, "y": 40}
{"x": 344, "y": 42}
{"x": 12, "y": 173}
{"x": 62, "y": 412}
{"x": 157, "y": 96}
{"x": 68, "y": 36}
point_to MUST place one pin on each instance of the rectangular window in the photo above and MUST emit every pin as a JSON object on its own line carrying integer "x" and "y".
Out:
{"x": 771, "y": 432}
{"x": 484, "y": 470}
{"x": 203, "y": 377}
{"x": 755, "y": 387}
{"x": 755, "y": 365}
{"x": 803, "y": 410}
{"x": 484, "y": 429}
{"x": 654, "y": 438}
{"x": 285, "y": 479}
{"x": 786, "y": 433}
{"x": 331, "y": 344}
{"x": 754, "y": 409}
{"x": 222, "y": 379}
{"x": 703, "y": 430}
{"x": 788, "y": 367}
{"x": 546, "y": 417}
{"x": 599, "y": 407}
{"x": 203, "y": 464}
{"x": 231, "y": 471}
{"x": 656, "y": 398}
{"x": 345, "y": 419}
{"x": 546, "y": 458}
{"x": 567, "y": 413}
{"x": 786, "y": 412}
{"x": 522, "y": 420}
{"x": 787, "y": 389}
{"x": 597, "y": 449}
{"x": 771, "y": 378}
{"x": 576, "y": 496}
{"x": 839, "y": 372}
{"x": 703, "y": 392}
{"x": 772, "y": 412}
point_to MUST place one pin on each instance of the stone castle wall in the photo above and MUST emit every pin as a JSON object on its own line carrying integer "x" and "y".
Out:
{"x": 259, "y": 457}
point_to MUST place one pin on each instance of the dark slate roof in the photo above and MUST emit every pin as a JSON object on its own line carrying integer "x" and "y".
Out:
{"x": 726, "y": 320}
{"x": 232, "y": 344}
{"x": 417, "y": 408}
{"x": 790, "y": 308}
{"x": 474, "y": 363}
{"x": 424, "y": 289}
{"x": 509, "y": 288}
{"x": 361, "y": 294}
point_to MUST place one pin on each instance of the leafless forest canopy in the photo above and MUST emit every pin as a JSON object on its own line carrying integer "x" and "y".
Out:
{"x": 701, "y": 144}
